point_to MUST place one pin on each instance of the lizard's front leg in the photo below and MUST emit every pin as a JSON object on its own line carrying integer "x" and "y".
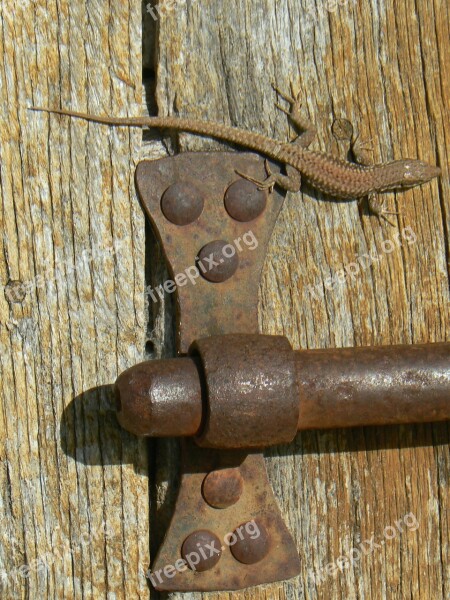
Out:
{"x": 377, "y": 208}
{"x": 362, "y": 153}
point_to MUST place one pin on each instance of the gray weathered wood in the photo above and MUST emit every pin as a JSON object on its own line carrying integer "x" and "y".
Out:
{"x": 377, "y": 66}
{"x": 67, "y": 188}
{"x": 74, "y": 509}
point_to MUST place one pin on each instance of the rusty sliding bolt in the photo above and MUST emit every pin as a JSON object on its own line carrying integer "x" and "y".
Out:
{"x": 248, "y": 391}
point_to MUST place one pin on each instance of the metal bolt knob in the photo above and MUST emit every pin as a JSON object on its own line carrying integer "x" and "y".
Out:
{"x": 244, "y": 391}
{"x": 160, "y": 398}
{"x": 215, "y": 262}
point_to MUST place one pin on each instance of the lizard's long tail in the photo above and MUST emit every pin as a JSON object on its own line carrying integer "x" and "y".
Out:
{"x": 253, "y": 141}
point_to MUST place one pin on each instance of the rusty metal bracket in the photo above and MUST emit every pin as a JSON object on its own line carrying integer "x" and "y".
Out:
{"x": 225, "y": 500}
{"x": 199, "y": 206}
{"x": 232, "y": 389}
{"x": 204, "y": 213}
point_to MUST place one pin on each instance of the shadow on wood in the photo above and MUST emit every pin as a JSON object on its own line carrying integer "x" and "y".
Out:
{"x": 90, "y": 433}
{"x": 366, "y": 439}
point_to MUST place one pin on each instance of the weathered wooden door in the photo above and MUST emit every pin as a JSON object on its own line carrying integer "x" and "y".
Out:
{"x": 79, "y": 496}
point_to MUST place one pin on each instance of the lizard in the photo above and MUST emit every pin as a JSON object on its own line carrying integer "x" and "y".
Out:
{"x": 329, "y": 174}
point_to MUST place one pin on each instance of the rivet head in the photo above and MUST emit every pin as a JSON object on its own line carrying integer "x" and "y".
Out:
{"x": 182, "y": 203}
{"x": 201, "y": 550}
{"x": 243, "y": 201}
{"x": 223, "y": 488}
{"x": 218, "y": 261}
{"x": 251, "y": 542}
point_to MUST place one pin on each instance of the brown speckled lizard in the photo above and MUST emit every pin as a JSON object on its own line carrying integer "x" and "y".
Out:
{"x": 329, "y": 174}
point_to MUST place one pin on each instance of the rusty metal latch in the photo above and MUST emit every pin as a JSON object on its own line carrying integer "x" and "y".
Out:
{"x": 235, "y": 391}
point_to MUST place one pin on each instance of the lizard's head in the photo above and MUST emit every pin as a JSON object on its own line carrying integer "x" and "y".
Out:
{"x": 408, "y": 173}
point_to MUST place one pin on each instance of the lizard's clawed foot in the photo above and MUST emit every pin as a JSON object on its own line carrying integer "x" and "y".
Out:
{"x": 376, "y": 207}
{"x": 290, "y": 182}
{"x": 268, "y": 183}
{"x": 295, "y": 99}
{"x": 283, "y": 110}
{"x": 366, "y": 145}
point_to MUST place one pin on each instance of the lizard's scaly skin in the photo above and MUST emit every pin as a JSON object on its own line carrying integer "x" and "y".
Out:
{"x": 326, "y": 173}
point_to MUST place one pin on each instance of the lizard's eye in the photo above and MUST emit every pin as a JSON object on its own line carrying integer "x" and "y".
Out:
{"x": 418, "y": 171}
{"x": 408, "y": 174}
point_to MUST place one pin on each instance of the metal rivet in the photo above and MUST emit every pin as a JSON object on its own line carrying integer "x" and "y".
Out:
{"x": 182, "y": 203}
{"x": 251, "y": 542}
{"x": 218, "y": 261}
{"x": 243, "y": 201}
{"x": 15, "y": 291}
{"x": 197, "y": 549}
{"x": 223, "y": 488}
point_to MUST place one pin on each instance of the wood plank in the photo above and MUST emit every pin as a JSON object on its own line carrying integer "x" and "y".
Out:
{"x": 382, "y": 67}
{"x": 67, "y": 469}
{"x": 74, "y": 509}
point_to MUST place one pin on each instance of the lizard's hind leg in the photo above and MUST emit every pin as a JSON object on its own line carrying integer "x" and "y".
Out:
{"x": 309, "y": 130}
{"x": 291, "y": 182}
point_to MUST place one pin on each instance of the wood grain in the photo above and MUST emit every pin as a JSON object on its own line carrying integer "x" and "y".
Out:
{"x": 67, "y": 470}
{"x": 74, "y": 510}
{"x": 382, "y": 67}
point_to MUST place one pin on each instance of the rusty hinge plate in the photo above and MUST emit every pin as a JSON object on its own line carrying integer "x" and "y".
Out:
{"x": 204, "y": 186}
{"x": 255, "y": 511}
